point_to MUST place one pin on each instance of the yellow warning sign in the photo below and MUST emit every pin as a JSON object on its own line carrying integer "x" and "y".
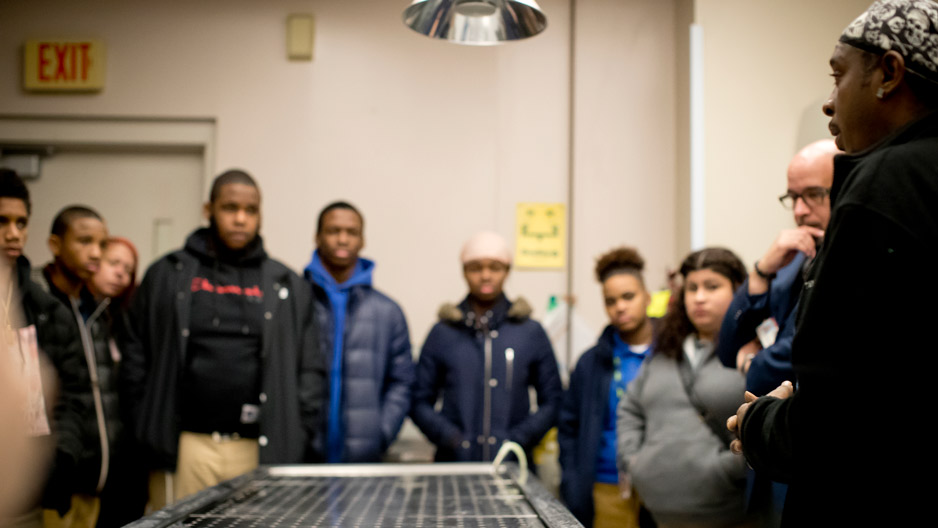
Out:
{"x": 542, "y": 235}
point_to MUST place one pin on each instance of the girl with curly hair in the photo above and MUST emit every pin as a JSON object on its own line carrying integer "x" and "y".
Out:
{"x": 587, "y": 431}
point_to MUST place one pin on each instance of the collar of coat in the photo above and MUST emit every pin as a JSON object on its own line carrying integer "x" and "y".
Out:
{"x": 924, "y": 127}
{"x": 518, "y": 310}
{"x": 607, "y": 341}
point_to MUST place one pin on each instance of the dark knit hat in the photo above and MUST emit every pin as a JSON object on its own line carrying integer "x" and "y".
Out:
{"x": 909, "y": 27}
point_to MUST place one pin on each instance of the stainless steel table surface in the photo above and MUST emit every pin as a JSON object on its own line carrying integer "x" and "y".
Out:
{"x": 370, "y": 495}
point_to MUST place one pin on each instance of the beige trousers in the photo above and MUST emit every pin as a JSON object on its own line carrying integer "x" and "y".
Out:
{"x": 205, "y": 461}
{"x": 610, "y": 510}
{"x": 83, "y": 514}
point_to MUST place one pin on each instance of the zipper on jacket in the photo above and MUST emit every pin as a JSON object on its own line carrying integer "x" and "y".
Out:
{"x": 88, "y": 345}
{"x": 509, "y": 370}
{"x": 487, "y": 392}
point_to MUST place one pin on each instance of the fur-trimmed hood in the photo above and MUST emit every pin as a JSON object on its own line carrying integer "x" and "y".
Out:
{"x": 519, "y": 310}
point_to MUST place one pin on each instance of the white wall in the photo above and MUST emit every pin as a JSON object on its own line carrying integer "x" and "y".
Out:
{"x": 766, "y": 76}
{"x": 625, "y": 131}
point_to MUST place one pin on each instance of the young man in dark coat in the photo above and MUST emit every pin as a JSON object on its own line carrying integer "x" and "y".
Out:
{"x": 224, "y": 373}
{"x": 42, "y": 325}
{"x": 482, "y": 357}
{"x": 857, "y": 427}
{"x": 107, "y": 489}
{"x": 364, "y": 339}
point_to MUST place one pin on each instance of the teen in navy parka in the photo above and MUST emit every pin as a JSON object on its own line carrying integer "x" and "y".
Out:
{"x": 482, "y": 356}
{"x": 587, "y": 423}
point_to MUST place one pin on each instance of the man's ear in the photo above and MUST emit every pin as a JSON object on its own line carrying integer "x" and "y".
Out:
{"x": 207, "y": 211}
{"x": 55, "y": 245}
{"x": 893, "y": 67}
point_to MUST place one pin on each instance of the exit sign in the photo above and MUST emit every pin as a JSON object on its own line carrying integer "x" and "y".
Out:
{"x": 63, "y": 65}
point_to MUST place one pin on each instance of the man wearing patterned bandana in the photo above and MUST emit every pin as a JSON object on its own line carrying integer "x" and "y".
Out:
{"x": 855, "y": 430}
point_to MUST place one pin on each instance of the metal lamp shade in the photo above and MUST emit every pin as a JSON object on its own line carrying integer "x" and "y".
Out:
{"x": 476, "y": 22}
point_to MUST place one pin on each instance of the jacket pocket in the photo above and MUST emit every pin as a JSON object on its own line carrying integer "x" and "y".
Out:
{"x": 685, "y": 476}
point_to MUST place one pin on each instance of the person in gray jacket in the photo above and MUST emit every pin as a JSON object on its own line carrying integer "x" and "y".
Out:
{"x": 672, "y": 443}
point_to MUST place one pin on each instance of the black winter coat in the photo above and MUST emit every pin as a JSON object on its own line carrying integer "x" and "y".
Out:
{"x": 292, "y": 370}
{"x": 377, "y": 371}
{"x": 97, "y": 351}
{"x": 452, "y": 364}
{"x": 864, "y": 349}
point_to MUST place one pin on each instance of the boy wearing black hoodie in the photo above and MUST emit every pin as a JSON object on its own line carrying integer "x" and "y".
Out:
{"x": 223, "y": 374}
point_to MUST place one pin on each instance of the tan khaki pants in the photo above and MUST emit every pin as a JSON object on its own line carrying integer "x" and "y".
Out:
{"x": 160, "y": 491}
{"x": 204, "y": 461}
{"x": 83, "y": 514}
{"x": 610, "y": 510}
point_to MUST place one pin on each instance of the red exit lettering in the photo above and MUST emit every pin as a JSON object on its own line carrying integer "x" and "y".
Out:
{"x": 66, "y": 61}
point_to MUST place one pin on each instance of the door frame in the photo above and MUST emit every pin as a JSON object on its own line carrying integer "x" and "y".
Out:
{"x": 110, "y": 133}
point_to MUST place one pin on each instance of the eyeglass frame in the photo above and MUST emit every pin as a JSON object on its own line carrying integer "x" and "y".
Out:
{"x": 822, "y": 192}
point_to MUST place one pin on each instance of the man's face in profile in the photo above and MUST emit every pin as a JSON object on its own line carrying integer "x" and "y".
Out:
{"x": 852, "y": 101}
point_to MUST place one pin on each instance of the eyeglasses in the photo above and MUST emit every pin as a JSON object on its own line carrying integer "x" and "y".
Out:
{"x": 812, "y": 196}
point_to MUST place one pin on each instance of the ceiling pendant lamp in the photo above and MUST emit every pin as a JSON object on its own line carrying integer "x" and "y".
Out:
{"x": 476, "y": 22}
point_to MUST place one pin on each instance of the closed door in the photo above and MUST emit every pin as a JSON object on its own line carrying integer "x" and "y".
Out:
{"x": 150, "y": 196}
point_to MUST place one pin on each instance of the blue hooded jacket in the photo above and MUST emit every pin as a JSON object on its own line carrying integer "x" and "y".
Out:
{"x": 364, "y": 337}
{"x": 772, "y": 365}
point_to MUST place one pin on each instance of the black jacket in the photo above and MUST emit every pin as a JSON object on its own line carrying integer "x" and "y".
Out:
{"x": 452, "y": 364}
{"x": 377, "y": 370}
{"x": 103, "y": 426}
{"x": 57, "y": 338}
{"x": 864, "y": 351}
{"x": 292, "y": 370}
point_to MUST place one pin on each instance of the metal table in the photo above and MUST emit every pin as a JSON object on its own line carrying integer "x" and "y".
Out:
{"x": 375, "y": 495}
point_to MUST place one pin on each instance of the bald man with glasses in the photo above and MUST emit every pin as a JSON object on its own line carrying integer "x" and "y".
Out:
{"x": 759, "y": 325}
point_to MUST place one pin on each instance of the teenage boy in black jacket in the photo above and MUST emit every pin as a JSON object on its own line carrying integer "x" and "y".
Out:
{"x": 224, "y": 373}
{"x": 109, "y": 488}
